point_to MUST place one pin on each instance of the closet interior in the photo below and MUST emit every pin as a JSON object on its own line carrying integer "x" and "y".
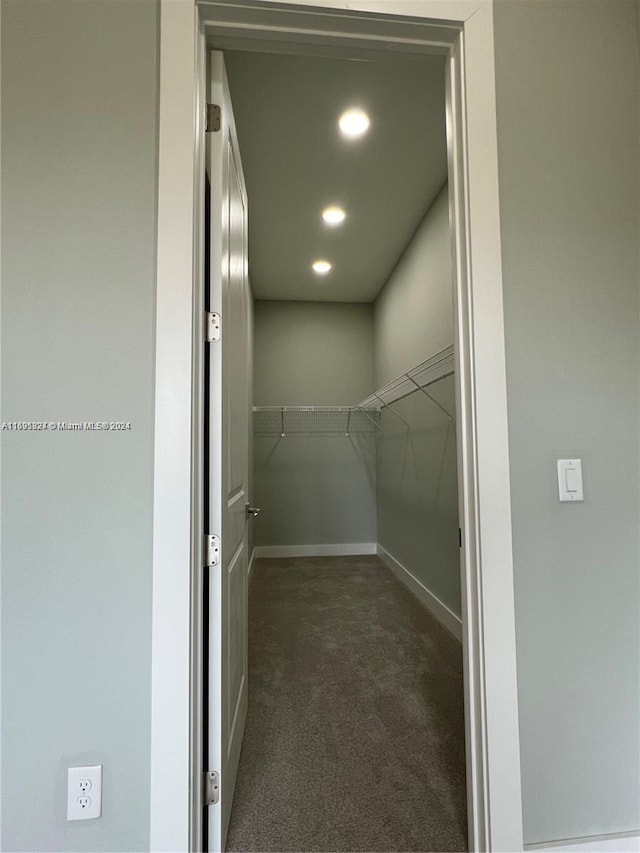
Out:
{"x": 353, "y": 458}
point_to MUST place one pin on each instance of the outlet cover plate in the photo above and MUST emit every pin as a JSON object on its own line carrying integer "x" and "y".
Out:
{"x": 84, "y": 792}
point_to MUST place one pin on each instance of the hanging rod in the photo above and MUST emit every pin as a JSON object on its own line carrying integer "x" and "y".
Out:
{"x": 432, "y": 370}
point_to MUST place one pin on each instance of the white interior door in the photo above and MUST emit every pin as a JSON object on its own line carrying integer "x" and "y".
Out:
{"x": 228, "y": 417}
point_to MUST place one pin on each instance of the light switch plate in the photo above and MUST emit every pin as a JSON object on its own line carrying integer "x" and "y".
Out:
{"x": 570, "y": 480}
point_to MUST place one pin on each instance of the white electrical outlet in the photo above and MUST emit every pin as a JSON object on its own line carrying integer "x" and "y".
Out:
{"x": 84, "y": 792}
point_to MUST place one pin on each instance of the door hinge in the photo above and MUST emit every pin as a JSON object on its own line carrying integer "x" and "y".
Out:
{"x": 459, "y": 537}
{"x": 211, "y": 788}
{"x": 213, "y": 118}
{"x": 213, "y": 327}
{"x": 211, "y": 549}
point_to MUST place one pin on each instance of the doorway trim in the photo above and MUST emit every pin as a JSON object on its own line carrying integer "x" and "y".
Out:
{"x": 463, "y": 31}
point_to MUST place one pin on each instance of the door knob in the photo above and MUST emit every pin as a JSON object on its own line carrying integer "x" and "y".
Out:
{"x": 253, "y": 511}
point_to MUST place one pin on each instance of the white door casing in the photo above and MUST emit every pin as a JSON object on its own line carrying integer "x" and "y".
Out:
{"x": 228, "y": 403}
{"x": 462, "y": 29}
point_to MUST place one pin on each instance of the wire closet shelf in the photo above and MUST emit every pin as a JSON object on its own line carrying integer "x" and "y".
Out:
{"x": 314, "y": 420}
{"x": 418, "y": 378}
{"x": 364, "y": 418}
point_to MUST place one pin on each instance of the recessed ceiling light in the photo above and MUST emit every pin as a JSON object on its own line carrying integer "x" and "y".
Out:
{"x": 333, "y": 215}
{"x": 353, "y": 123}
{"x": 321, "y": 267}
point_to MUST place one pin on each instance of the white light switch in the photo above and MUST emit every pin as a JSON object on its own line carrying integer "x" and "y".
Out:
{"x": 570, "y": 480}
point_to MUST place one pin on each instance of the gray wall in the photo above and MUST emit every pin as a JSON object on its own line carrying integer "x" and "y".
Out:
{"x": 417, "y": 496}
{"x": 417, "y": 492}
{"x": 413, "y": 313}
{"x": 313, "y": 353}
{"x": 567, "y": 100}
{"x": 313, "y": 489}
{"x": 79, "y": 135}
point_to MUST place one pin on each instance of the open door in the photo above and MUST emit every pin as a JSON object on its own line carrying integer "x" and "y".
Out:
{"x": 228, "y": 459}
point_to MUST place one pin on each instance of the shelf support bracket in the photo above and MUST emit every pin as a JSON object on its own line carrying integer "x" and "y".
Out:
{"x": 391, "y": 409}
{"x": 435, "y": 402}
{"x": 369, "y": 418}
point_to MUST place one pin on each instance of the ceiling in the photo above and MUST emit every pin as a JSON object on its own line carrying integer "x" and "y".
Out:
{"x": 296, "y": 163}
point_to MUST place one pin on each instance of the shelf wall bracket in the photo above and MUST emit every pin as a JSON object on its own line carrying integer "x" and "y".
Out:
{"x": 369, "y": 418}
{"x": 426, "y": 393}
{"x": 393, "y": 411}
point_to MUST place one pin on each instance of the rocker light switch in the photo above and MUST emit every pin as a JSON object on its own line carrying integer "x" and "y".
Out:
{"x": 570, "y": 480}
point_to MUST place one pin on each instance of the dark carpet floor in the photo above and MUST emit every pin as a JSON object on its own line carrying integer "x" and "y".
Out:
{"x": 355, "y": 734}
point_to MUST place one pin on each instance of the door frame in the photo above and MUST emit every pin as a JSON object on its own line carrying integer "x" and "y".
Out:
{"x": 463, "y": 31}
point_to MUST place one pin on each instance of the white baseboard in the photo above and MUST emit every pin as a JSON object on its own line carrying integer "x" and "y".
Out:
{"x": 624, "y": 842}
{"x": 350, "y": 549}
{"x": 446, "y": 617}
{"x": 252, "y": 560}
